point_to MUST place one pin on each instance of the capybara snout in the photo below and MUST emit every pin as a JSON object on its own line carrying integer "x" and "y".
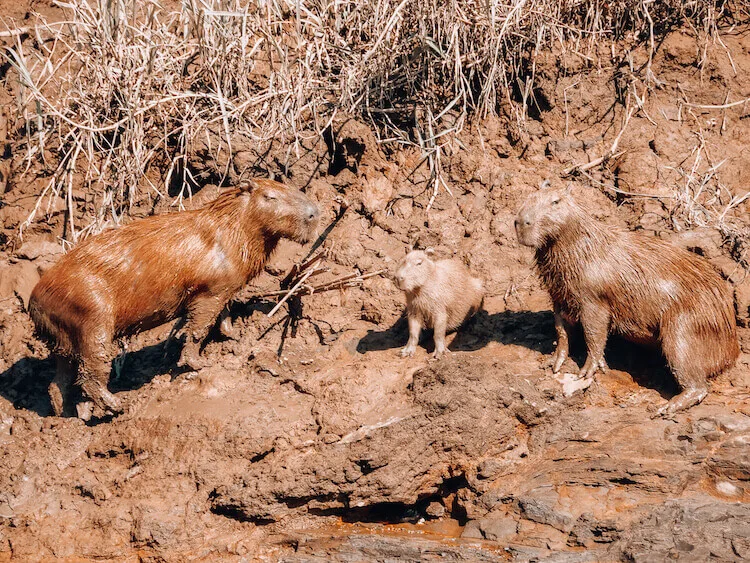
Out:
{"x": 285, "y": 212}
{"x": 414, "y": 271}
{"x": 542, "y": 217}
{"x": 153, "y": 270}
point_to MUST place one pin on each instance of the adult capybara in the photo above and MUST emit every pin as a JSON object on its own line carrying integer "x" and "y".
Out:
{"x": 153, "y": 270}
{"x": 638, "y": 286}
{"x": 441, "y": 294}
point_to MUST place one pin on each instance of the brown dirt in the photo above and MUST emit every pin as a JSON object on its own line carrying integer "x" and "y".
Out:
{"x": 318, "y": 442}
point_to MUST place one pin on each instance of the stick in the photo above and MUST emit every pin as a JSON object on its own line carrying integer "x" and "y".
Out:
{"x": 595, "y": 162}
{"x": 291, "y": 291}
{"x": 349, "y": 280}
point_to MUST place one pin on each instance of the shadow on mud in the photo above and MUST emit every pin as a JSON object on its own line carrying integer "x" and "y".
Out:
{"x": 25, "y": 383}
{"x": 536, "y": 331}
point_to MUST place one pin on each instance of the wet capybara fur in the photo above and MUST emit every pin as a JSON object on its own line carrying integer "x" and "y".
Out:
{"x": 641, "y": 287}
{"x": 144, "y": 274}
{"x": 441, "y": 294}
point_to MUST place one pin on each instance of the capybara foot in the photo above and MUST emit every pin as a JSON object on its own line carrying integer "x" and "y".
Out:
{"x": 440, "y": 352}
{"x": 684, "y": 400}
{"x": 101, "y": 397}
{"x": 84, "y": 410}
{"x": 408, "y": 351}
{"x": 558, "y": 359}
{"x": 56, "y": 398}
{"x": 591, "y": 367}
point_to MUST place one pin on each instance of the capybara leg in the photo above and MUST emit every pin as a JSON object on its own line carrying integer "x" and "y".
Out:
{"x": 561, "y": 352}
{"x": 441, "y": 323}
{"x": 595, "y": 321}
{"x": 202, "y": 315}
{"x": 93, "y": 373}
{"x": 685, "y": 367}
{"x": 415, "y": 327}
{"x": 688, "y": 398}
{"x": 93, "y": 382}
{"x": 59, "y": 389}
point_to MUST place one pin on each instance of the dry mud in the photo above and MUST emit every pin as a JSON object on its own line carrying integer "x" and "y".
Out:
{"x": 315, "y": 441}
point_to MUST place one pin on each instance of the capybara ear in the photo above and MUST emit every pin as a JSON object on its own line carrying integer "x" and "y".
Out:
{"x": 545, "y": 185}
{"x": 429, "y": 251}
{"x": 247, "y": 185}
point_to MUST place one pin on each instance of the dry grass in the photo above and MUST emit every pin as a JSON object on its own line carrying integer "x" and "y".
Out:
{"x": 124, "y": 87}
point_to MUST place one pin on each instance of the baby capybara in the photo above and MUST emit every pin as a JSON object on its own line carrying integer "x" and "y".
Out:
{"x": 441, "y": 294}
{"x": 153, "y": 270}
{"x": 638, "y": 286}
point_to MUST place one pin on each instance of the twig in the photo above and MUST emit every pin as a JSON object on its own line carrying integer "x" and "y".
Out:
{"x": 350, "y": 280}
{"x": 296, "y": 286}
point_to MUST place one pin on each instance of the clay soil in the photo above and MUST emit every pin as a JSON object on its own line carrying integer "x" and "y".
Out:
{"x": 314, "y": 440}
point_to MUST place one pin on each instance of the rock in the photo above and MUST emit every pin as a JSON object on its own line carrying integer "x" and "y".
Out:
{"x": 694, "y": 529}
{"x": 588, "y": 531}
{"x": 36, "y": 249}
{"x": 637, "y": 172}
{"x": 538, "y": 506}
{"x": 377, "y": 191}
{"x": 732, "y": 458}
{"x": 435, "y": 510}
{"x": 742, "y": 302}
{"x": 458, "y": 413}
{"x": 472, "y": 530}
{"x": 571, "y": 383}
{"x": 19, "y": 280}
{"x": 499, "y": 529}
{"x": 403, "y": 208}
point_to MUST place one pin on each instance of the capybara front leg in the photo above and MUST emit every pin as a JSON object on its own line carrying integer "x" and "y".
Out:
{"x": 595, "y": 321}
{"x": 202, "y": 315}
{"x": 415, "y": 327}
{"x": 441, "y": 323}
{"x": 561, "y": 352}
{"x": 93, "y": 376}
{"x": 59, "y": 389}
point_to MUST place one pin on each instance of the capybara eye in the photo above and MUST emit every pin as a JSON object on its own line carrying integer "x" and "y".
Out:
{"x": 555, "y": 201}
{"x": 419, "y": 262}
{"x": 269, "y": 195}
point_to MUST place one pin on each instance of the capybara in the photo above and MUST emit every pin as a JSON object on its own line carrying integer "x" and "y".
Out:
{"x": 643, "y": 288}
{"x": 126, "y": 280}
{"x": 441, "y": 294}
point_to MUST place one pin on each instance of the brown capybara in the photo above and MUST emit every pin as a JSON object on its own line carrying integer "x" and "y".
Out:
{"x": 441, "y": 294}
{"x": 139, "y": 276}
{"x": 638, "y": 286}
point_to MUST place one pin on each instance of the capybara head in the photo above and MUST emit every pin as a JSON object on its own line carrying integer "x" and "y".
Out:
{"x": 283, "y": 211}
{"x": 543, "y": 215}
{"x": 415, "y": 269}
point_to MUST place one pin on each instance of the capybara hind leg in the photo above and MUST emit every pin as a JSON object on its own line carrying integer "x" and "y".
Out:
{"x": 441, "y": 323}
{"x": 595, "y": 321}
{"x": 202, "y": 315}
{"x": 59, "y": 389}
{"x": 685, "y": 400}
{"x": 561, "y": 352}
{"x": 679, "y": 336}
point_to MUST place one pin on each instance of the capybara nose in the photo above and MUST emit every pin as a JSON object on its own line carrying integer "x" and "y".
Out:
{"x": 312, "y": 212}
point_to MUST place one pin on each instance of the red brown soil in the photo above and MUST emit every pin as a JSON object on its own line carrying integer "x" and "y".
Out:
{"x": 320, "y": 443}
